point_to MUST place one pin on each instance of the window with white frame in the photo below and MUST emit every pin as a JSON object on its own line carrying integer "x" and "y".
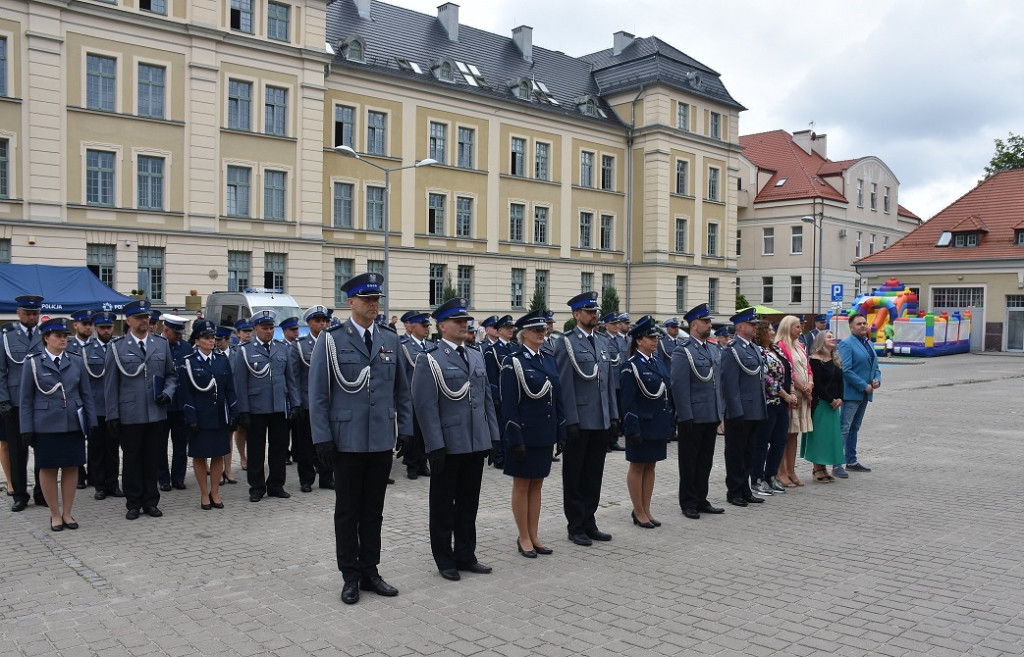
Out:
{"x": 540, "y": 225}
{"x": 241, "y": 15}
{"x": 438, "y": 147}
{"x": 796, "y": 239}
{"x": 767, "y": 289}
{"x": 99, "y": 178}
{"x": 540, "y": 282}
{"x": 516, "y": 291}
{"x": 958, "y": 297}
{"x": 682, "y": 177}
{"x": 375, "y": 266}
{"x": 463, "y": 216}
{"x": 342, "y": 206}
{"x": 516, "y": 213}
{"x": 768, "y": 241}
{"x": 885, "y": 241}
{"x": 874, "y": 196}
{"x": 275, "y": 269}
{"x": 274, "y": 195}
{"x": 100, "y": 83}
{"x": 344, "y": 126}
{"x": 151, "y": 272}
{"x": 871, "y": 244}
{"x": 517, "y": 166}
{"x": 237, "y": 200}
{"x": 713, "y": 183}
{"x": 277, "y": 21}
{"x": 586, "y": 230}
{"x": 683, "y": 117}
{"x": 239, "y": 105}
{"x": 607, "y": 172}
{"x": 240, "y": 270}
{"x": 712, "y": 239}
{"x": 586, "y": 169}
{"x": 860, "y": 193}
{"x": 376, "y": 131}
{"x": 275, "y": 109}
{"x": 100, "y": 259}
{"x": 796, "y": 289}
{"x": 586, "y": 282}
{"x": 607, "y": 283}
{"x": 436, "y": 214}
{"x": 5, "y": 168}
{"x": 154, "y": 6}
{"x": 3, "y": 66}
{"x": 467, "y": 137}
{"x": 716, "y": 125}
{"x": 5, "y": 250}
{"x": 436, "y": 291}
{"x": 712, "y": 294}
{"x": 607, "y": 232}
{"x": 885, "y": 200}
{"x": 150, "y": 183}
{"x": 541, "y": 161}
{"x": 856, "y": 246}
{"x": 343, "y": 268}
{"x": 464, "y": 282}
{"x": 681, "y": 228}
{"x": 151, "y": 91}
{"x": 375, "y": 208}
{"x": 681, "y": 294}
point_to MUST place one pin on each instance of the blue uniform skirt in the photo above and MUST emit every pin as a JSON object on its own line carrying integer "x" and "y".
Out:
{"x": 209, "y": 443}
{"x": 648, "y": 451}
{"x": 536, "y": 465}
{"x": 59, "y": 450}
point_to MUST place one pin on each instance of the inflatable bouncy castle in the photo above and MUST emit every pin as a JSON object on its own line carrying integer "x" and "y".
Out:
{"x": 914, "y": 331}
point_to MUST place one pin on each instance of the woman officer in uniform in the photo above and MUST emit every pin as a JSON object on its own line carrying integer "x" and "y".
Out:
{"x": 56, "y": 413}
{"x": 208, "y": 394}
{"x": 532, "y": 408}
{"x": 648, "y": 416}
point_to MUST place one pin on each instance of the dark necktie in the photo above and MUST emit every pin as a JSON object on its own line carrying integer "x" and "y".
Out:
{"x": 592, "y": 345}
{"x": 266, "y": 345}
{"x": 142, "y": 348}
{"x": 30, "y": 334}
{"x": 462, "y": 352}
{"x": 368, "y": 339}
{"x": 56, "y": 361}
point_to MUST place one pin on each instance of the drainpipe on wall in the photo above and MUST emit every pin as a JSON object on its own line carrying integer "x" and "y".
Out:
{"x": 629, "y": 197}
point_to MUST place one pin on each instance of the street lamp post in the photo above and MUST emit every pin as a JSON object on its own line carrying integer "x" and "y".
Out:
{"x": 817, "y": 222}
{"x": 348, "y": 151}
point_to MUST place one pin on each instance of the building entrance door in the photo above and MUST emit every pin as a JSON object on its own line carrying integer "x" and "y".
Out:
{"x": 1015, "y": 322}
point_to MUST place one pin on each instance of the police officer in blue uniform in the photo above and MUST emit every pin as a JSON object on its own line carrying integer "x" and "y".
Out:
{"x": 493, "y": 358}
{"x": 745, "y": 407}
{"x": 591, "y": 416}
{"x": 667, "y": 343}
{"x": 222, "y": 340}
{"x": 359, "y": 404}
{"x": 243, "y": 335}
{"x": 697, "y": 390}
{"x": 139, "y": 385}
{"x": 412, "y": 344}
{"x": 618, "y": 353}
{"x": 290, "y": 333}
{"x": 267, "y": 397}
{"x": 81, "y": 334}
{"x": 173, "y": 332}
{"x": 300, "y": 355}
{"x": 549, "y": 339}
{"x": 103, "y": 455}
{"x": 20, "y": 339}
{"x": 490, "y": 332}
{"x": 648, "y": 417}
{"x": 453, "y": 403}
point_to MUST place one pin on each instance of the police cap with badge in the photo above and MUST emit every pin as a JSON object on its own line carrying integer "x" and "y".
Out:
{"x": 103, "y": 318}
{"x": 266, "y": 316}
{"x": 452, "y": 309}
{"x": 535, "y": 319}
{"x": 584, "y": 301}
{"x": 505, "y": 322}
{"x": 243, "y": 325}
{"x": 671, "y": 321}
{"x": 316, "y": 312}
{"x": 490, "y": 321}
{"x": 645, "y": 327}
{"x": 367, "y": 285}
{"x": 29, "y": 302}
{"x": 415, "y": 317}
{"x": 749, "y": 315}
{"x": 174, "y": 322}
{"x": 82, "y": 316}
{"x": 138, "y": 308}
{"x": 224, "y": 332}
{"x": 289, "y": 323}
{"x": 55, "y": 325}
{"x": 203, "y": 328}
{"x": 700, "y": 311}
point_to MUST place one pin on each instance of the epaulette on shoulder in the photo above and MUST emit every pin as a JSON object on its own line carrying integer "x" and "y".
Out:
{"x": 427, "y": 348}
{"x": 158, "y": 337}
{"x": 9, "y": 326}
{"x": 474, "y": 346}
{"x": 684, "y": 342}
{"x": 34, "y": 354}
{"x": 331, "y": 329}
{"x": 404, "y": 339}
{"x": 117, "y": 339}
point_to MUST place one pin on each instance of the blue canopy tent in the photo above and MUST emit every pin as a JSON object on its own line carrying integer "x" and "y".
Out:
{"x": 64, "y": 289}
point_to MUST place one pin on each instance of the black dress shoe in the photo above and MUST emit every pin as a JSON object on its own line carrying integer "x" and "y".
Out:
{"x": 100, "y": 495}
{"x": 598, "y": 535}
{"x": 57, "y": 528}
{"x": 329, "y": 484}
{"x": 178, "y": 485}
{"x": 81, "y": 485}
{"x": 306, "y": 488}
{"x": 153, "y": 512}
{"x": 132, "y": 514}
{"x": 118, "y": 493}
{"x": 390, "y": 481}
{"x": 753, "y": 500}
{"x": 165, "y": 487}
{"x": 692, "y": 514}
{"x": 350, "y": 593}
{"x": 616, "y": 447}
{"x": 581, "y": 539}
{"x": 478, "y": 568}
{"x": 71, "y": 525}
{"x": 205, "y": 507}
{"x": 378, "y": 586}
{"x": 412, "y": 474}
{"x": 529, "y": 554}
{"x": 255, "y": 497}
{"x": 738, "y": 501}
{"x": 280, "y": 492}
{"x": 707, "y": 508}
{"x": 646, "y": 525}
{"x": 19, "y": 505}
{"x": 541, "y": 549}
{"x": 424, "y": 471}
{"x": 451, "y": 574}
{"x": 40, "y": 502}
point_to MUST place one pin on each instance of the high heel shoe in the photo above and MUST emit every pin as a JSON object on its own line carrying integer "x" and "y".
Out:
{"x": 654, "y": 522}
{"x": 224, "y": 479}
{"x": 216, "y": 505}
{"x": 542, "y": 549}
{"x": 204, "y": 507}
{"x": 645, "y": 525}
{"x": 529, "y": 554}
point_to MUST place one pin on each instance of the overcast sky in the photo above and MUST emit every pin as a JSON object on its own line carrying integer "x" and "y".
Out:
{"x": 925, "y": 85}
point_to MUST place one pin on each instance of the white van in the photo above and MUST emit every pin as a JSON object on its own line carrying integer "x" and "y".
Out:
{"x": 226, "y": 308}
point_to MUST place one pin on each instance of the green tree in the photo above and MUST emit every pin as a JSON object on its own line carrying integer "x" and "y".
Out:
{"x": 569, "y": 325}
{"x": 448, "y": 292}
{"x": 741, "y": 302}
{"x": 609, "y": 301}
{"x": 539, "y": 301}
{"x": 1009, "y": 155}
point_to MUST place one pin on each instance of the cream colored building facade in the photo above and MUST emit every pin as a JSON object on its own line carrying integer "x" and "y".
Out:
{"x": 182, "y": 145}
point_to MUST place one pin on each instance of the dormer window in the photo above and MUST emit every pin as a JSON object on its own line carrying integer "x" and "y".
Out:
{"x": 1018, "y": 237}
{"x": 589, "y": 106}
{"x": 523, "y": 90}
{"x": 444, "y": 72}
{"x": 965, "y": 240}
{"x": 354, "y": 49}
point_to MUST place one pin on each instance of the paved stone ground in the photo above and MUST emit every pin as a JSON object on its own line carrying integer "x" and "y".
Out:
{"x": 920, "y": 557}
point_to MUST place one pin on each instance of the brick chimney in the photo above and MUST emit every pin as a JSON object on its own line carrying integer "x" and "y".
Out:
{"x": 811, "y": 142}
{"x": 448, "y": 14}
{"x": 522, "y": 36}
{"x": 622, "y": 41}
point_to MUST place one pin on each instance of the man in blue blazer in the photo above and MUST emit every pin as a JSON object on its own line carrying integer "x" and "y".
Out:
{"x": 861, "y": 377}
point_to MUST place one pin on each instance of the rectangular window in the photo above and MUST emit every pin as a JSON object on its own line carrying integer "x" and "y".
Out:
{"x": 860, "y": 193}
{"x": 438, "y": 142}
{"x": 681, "y": 225}
{"x": 277, "y": 21}
{"x": 683, "y": 119}
{"x": 436, "y": 285}
{"x": 796, "y": 239}
{"x": 5, "y": 164}
{"x": 972, "y": 239}
{"x": 99, "y": 178}
{"x": 712, "y": 294}
{"x": 767, "y": 289}
{"x": 342, "y": 272}
{"x": 518, "y": 164}
{"x": 239, "y": 268}
{"x": 274, "y": 195}
{"x": 607, "y": 225}
{"x": 463, "y": 216}
{"x": 871, "y": 244}
{"x": 958, "y": 297}
{"x": 100, "y": 83}
{"x": 239, "y": 105}
{"x": 540, "y": 225}
{"x": 586, "y": 230}
{"x": 151, "y": 183}
{"x": 716, "y": 125}
{"x": 874, "y": 196}
{"x": 682, "y": 177}
{"x": 586, "y": 282}
{"x": 376, "y": 131}
{"x": 739, "y": 243}
{"x": 375, "y": 266}
{"x": 151, "y": 272}
{"x": 342, "y": 210}
{"x": 238, "y": 191}
{"x": 796, "y": 289}
{"x": 154, "y": 6}
{"x": 100, "y": 259}
{"x": 885, "y": 201}
{"x": 467, "y": 137}
{"x": 885, "y": 241}
{"x": 586, "y": 169}
{"x": 344, "y": 126}
{"x": 464, "y": 283}
{"x": 607, "y": 283}
{"x": 516, "y": 213}
{"x": 275, "y": 266}
{"x": 435, "y": 214}
{"x": 5, "y": 251}
{"x": 241, "y": 15}
{"x": 540, "y": 282}
{"x": 607, "y": 172}
{"x": 3, "y": 66}
{"x": 374, "y": 208}
{"x": 516, "y": 290}
{"x": 712, "y": 239}
{"x": 151, "y": 91}
{"x": 856, "y": 246}
{"x": 681, "y": 306}
{"x": 713, "y": 174}
{"x": 275, "y": 109}
{"x": 541, "y": 161}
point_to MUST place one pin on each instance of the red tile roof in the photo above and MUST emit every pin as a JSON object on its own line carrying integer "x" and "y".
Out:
{"x": 903, "y": 212}
{"x": 834, "y": 168}
{"x": 996, "y": 204}
{"x": 776, "y": 151}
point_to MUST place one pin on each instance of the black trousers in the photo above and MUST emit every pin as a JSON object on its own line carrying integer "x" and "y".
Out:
{"x": 307, "y": 462}
{"x": 696, "y": 454}
{"x": 739, "y": 447}
{"x": 361, "y": 480}
{"x": 143, "y": 446}
{"x": 267, "y": 438}
{"x": 582, "y": 472}
{"x": 415, "y": 457}
{"x": 103, "y": 457}
{"x": 179, "y": 449}
{"x": 19, "y": 460}
{"x": 454, "y": 500}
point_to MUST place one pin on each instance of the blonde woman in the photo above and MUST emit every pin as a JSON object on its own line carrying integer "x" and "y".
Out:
{"x": 788, "y": 340}
{"x": 824, "y": 444}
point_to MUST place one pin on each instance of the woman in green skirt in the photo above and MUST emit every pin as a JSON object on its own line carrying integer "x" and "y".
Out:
{"x": 824, "y": 444}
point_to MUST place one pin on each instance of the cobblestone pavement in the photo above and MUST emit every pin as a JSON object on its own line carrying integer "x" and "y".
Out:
{"x": 921, "y": 556}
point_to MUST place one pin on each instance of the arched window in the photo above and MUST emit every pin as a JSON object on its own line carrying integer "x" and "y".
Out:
{"x": 446, "y": 71}
{"x": 355, "y": 51}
